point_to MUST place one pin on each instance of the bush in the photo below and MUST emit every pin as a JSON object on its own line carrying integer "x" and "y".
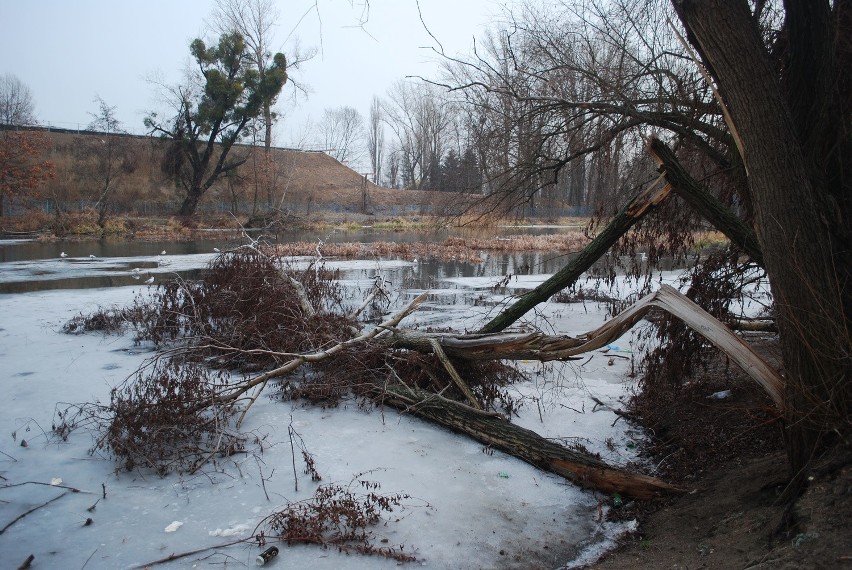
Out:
{"x": 158, "y": 421}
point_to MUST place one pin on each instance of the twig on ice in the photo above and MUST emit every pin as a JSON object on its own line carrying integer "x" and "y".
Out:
{"x": 180, "y": 555}
{"x": 19, "y": 517}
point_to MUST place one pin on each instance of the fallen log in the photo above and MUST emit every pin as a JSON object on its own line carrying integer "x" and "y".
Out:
{"x": 539, "y": 346}
{"x": 495, "y": 431}
{"x": 635, "y": 210}
{"x": 487, "y": 427}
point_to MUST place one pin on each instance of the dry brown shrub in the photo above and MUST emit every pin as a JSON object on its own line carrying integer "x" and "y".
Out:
{"x": 165, "y": 419}
{"x": 251, "y": 313}
{"x": 358, "y": 371}
{"x": 111, "y": 320}
{"x": 337, "y": 517}
{"x": 716, "y": 284}
{"x": 247, "y": 312}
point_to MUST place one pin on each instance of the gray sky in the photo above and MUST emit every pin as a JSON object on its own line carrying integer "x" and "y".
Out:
{"x": 69, "y": 51}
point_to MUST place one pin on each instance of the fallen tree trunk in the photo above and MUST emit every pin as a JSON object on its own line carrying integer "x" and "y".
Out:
{"x": 539, "y": 346}
{"x": 493, "y": 430}
{"x": 634, "y": 211}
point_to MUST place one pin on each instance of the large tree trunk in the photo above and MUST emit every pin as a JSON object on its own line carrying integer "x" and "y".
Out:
{"x": 791, "y": 222}
{"x": 493, "y": 430}
{"x": 190, "y": 203}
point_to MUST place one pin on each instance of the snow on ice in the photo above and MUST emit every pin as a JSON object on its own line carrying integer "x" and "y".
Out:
{"x": 471, "y": 508}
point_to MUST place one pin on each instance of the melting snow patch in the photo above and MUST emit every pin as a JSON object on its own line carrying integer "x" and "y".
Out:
{"x": 237, "y": 530}
{"x": 720, "y": 395}
{"x": 608, "y": 541}
{"x": 174, "y": 526}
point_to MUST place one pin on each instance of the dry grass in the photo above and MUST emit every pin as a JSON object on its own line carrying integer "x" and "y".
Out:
{"x": 457, "y": 249}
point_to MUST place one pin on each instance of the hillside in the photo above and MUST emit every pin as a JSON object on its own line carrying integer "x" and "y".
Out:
{"x": 302, "y": 183}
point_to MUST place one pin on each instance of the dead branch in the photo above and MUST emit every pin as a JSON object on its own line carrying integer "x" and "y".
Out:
{"x": 459, "y": 382}
{"x": 72, "y": 489}
{"x": 178, "y": 556}
{"x": 703, "y": 202}
{"x": 317, "y": 356}
{"x": 22, "y": 515}
{"x": 753, "y": 325}
{"x": 538, "y": 346}
{"x": 635, "y": 210}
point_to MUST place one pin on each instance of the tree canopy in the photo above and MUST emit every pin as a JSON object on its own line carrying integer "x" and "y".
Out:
{"x": 210, "y": 120}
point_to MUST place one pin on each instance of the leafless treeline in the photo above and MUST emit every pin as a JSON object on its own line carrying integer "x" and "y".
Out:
{"x": 552, "y": 109}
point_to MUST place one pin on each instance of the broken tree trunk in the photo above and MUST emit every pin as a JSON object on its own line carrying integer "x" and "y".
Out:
{"x": 634, "y": 211}
{"x": 493, "y": 430}
{"x": 539, "y": 346}
{"x": 677, "y": 179}
{"x": 703, "y": 202}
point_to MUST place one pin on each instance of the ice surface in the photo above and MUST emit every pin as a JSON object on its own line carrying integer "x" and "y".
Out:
{"x": 471, "y": 508}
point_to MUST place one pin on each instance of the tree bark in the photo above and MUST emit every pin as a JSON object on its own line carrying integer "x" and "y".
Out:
{"x": 634, "y": 211}
{"x": 493, "y": 430}
{"x": 704, "y": 203}
{"x": 538, "y": 346}
{"x": 791, "y": 223}
{"x": 190, "y": 203}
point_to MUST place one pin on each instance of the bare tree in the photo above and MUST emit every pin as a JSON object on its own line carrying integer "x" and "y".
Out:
{"x": 103, "y": 160}
{"x": 22, "y": 164}
{"x": 793, "y": 132}
{"x": 342, "y": 133}
{"x": 763, "y": 125}
{"x": 560, "y": 100}
{"x": 376, "y": 138}
{"x": 420, "y": 118}
{"x": 16, "y": 102}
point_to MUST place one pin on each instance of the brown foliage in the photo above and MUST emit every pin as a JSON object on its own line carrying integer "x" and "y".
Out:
{"x": 715, "y": 284}
{"x": 337, "y": 517}
{"x": 247, "y": 311}
{"x": 371, "y": 364}
{"x": 164, "y": 419}
{"x": 21, "y": 165}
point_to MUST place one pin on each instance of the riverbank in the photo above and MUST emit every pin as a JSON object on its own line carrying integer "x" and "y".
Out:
{"x": 84, "y": 225}
{"x": 728, "y": 452}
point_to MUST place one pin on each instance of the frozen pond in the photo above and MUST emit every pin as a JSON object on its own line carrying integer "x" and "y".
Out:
{"x": 470, "y": 508}
{"x": 28, "y": 266}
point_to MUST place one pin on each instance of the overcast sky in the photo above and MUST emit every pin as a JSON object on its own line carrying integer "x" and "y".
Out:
{"x": 70, "y": 51}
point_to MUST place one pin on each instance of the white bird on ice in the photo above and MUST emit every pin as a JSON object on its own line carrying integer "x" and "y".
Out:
{"x": 163, "y": 252}
{"x": 92, "y": 256}
{"x": 63, "y": 254}
{"x": 149, "y": 281}
{"x": 216, "y": 249}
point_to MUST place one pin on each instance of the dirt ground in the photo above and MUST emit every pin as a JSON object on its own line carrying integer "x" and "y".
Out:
{"x": 728, "y": 453}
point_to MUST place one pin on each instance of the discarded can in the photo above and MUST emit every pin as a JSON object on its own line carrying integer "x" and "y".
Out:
{"x": 266, "y": 555}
